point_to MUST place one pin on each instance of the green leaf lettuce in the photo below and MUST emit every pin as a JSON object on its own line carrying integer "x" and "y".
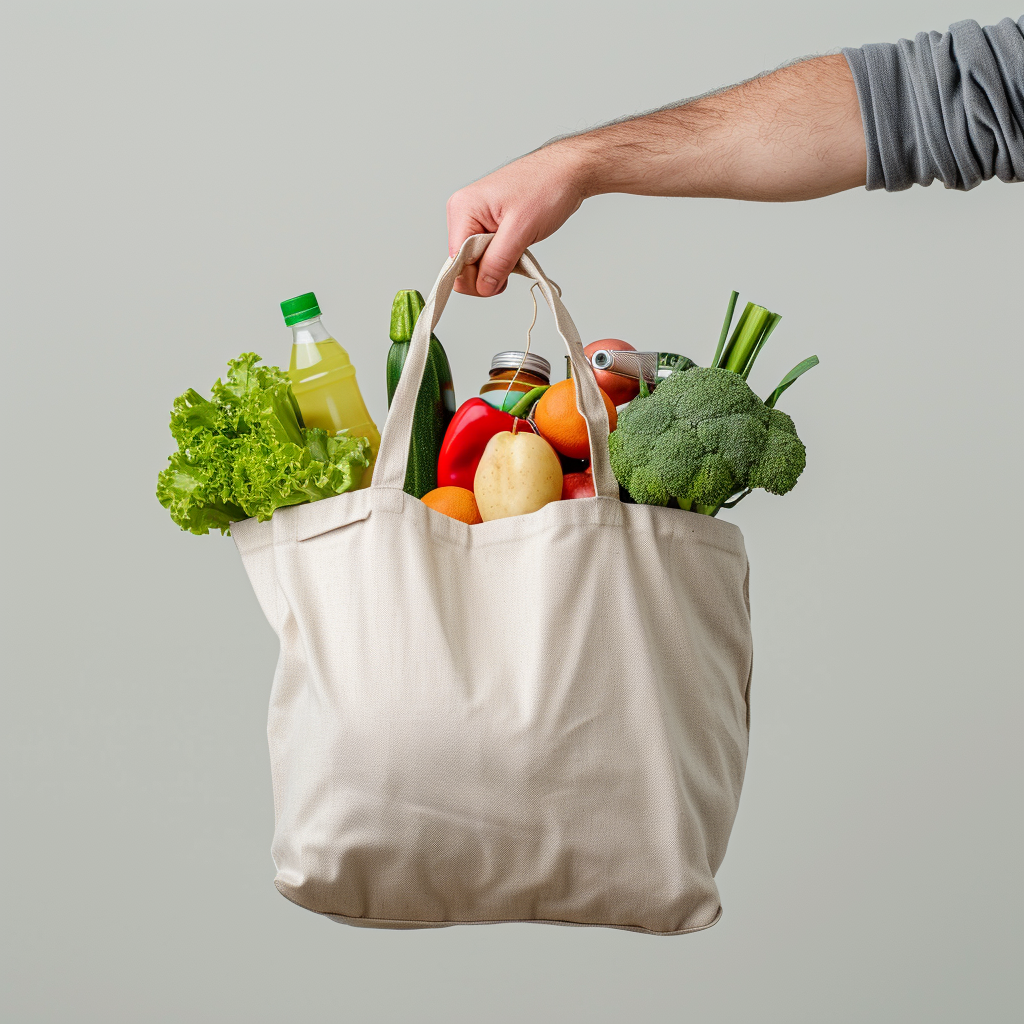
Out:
{"x": 245, "y": 452}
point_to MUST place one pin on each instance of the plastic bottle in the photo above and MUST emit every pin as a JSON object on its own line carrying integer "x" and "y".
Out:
{"x": 324, "y": 379}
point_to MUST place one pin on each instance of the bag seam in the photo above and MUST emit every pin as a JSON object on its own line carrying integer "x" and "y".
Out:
{"x": 502, "y": 920}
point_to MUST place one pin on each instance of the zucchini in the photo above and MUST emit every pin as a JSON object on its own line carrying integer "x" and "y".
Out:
{"x": 435, "y": 403}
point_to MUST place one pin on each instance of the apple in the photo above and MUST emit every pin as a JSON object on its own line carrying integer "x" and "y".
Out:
{"x": 518, "y": 473}
{"x": 578, "y": 485}
{"x": 618, "y": 388}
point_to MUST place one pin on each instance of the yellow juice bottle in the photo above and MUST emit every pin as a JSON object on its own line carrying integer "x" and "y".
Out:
{"x": 324, "y": 379}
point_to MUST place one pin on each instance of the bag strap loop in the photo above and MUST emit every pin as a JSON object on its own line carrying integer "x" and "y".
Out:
{"x": 394, "y": 446}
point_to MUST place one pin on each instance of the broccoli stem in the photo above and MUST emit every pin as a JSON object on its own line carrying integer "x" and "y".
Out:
{"x": 688, "y": 506}
{"x": 713, "y": 510}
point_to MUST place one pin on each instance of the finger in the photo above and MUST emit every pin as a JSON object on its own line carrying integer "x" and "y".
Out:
{"x": 466, "y": 284}
{"x": 466, "y": 281}
{"x": 501, "y": 256}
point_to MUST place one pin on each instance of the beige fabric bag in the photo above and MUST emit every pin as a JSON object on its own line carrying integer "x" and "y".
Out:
{"x": 540, "y": 718}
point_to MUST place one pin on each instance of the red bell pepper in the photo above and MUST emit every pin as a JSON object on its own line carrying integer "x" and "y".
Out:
{"x": 472, "y": 426}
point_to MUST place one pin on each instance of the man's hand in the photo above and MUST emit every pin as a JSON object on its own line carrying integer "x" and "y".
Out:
{"x": 794, "y": 134}
{"x": 522, "y": 202}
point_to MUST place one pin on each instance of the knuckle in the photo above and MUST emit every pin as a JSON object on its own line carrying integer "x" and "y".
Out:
{"x": 459, "y": 205}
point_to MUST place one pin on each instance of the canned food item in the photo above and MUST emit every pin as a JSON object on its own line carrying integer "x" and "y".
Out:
{"x": 505, "y": 377}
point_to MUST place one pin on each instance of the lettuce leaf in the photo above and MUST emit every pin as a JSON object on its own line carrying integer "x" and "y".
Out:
{"x": 245, "y": 452}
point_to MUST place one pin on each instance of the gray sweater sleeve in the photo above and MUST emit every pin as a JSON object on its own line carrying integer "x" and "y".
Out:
{"x": 947, "y": 106}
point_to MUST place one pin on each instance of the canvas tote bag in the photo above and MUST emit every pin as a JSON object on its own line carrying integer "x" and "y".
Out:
{"x": 539, "y": 718}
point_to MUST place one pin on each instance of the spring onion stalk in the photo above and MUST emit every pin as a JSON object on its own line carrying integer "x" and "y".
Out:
{"x": 725, "y": 327}
{"x": 753, "y": 328}
{"x": 772, "y": 324}
{"x": 798, "y": 371}
{"x": 744, "y": 341}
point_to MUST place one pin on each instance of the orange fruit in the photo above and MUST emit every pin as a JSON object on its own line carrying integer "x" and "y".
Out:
{"x": 561, "y": 424}
{"x": 456, "y": 502}
{"x": 618, "y": 388}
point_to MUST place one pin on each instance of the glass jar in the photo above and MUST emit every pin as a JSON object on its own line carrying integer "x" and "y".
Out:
{"x": 503, "y": 378}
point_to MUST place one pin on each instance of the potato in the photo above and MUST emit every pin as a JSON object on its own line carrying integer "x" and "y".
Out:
{"x": 517, "y": 474}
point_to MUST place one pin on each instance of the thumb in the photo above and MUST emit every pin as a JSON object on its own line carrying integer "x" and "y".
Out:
{"x": 501, "y": 256}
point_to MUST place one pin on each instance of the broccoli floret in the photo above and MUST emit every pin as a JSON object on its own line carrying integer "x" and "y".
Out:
{"x": 701, "y": 437}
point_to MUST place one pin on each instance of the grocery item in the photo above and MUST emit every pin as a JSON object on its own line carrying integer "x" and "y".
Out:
{"x": 752, "y": 330}
{"x": 518, "y": 473}
{"x": 616, "y": 386}
{"x": 560, "y": 422}
{"x": 243, "y": 453}
{"x": 525, "y": 404}
{"x": 456, "y": 502}
{"x": 578, "y": 485}
{"x": 435, "y": 403}
{"x": 703, "y": 438}
{"x": 651, "y": 367}
{"x": 472, "y": 426}
{"x": 324, "y": 379}
{"x": 507, "y": 383}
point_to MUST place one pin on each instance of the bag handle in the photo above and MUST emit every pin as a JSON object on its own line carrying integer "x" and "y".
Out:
{"x": 394, "y": 446}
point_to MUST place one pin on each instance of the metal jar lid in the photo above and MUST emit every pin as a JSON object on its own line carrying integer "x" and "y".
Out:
{"x": 533, "y": 363}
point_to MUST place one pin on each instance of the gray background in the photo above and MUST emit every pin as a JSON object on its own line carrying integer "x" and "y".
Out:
{"x": 172, "y": 172}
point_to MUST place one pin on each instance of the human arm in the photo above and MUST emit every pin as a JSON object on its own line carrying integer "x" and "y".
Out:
{"x": 793, "y": 134}
{"x": 947, "y": 106}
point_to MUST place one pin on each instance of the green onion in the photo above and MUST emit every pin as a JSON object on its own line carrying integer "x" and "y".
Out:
{"x": 799, "y": 370}
{"x": 725, "y": 327}
{"x": 744, "y": 341}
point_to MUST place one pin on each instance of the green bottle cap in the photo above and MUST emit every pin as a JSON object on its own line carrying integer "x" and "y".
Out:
{"x": 302, "y": 307}
{"x": 405, "y": 311}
